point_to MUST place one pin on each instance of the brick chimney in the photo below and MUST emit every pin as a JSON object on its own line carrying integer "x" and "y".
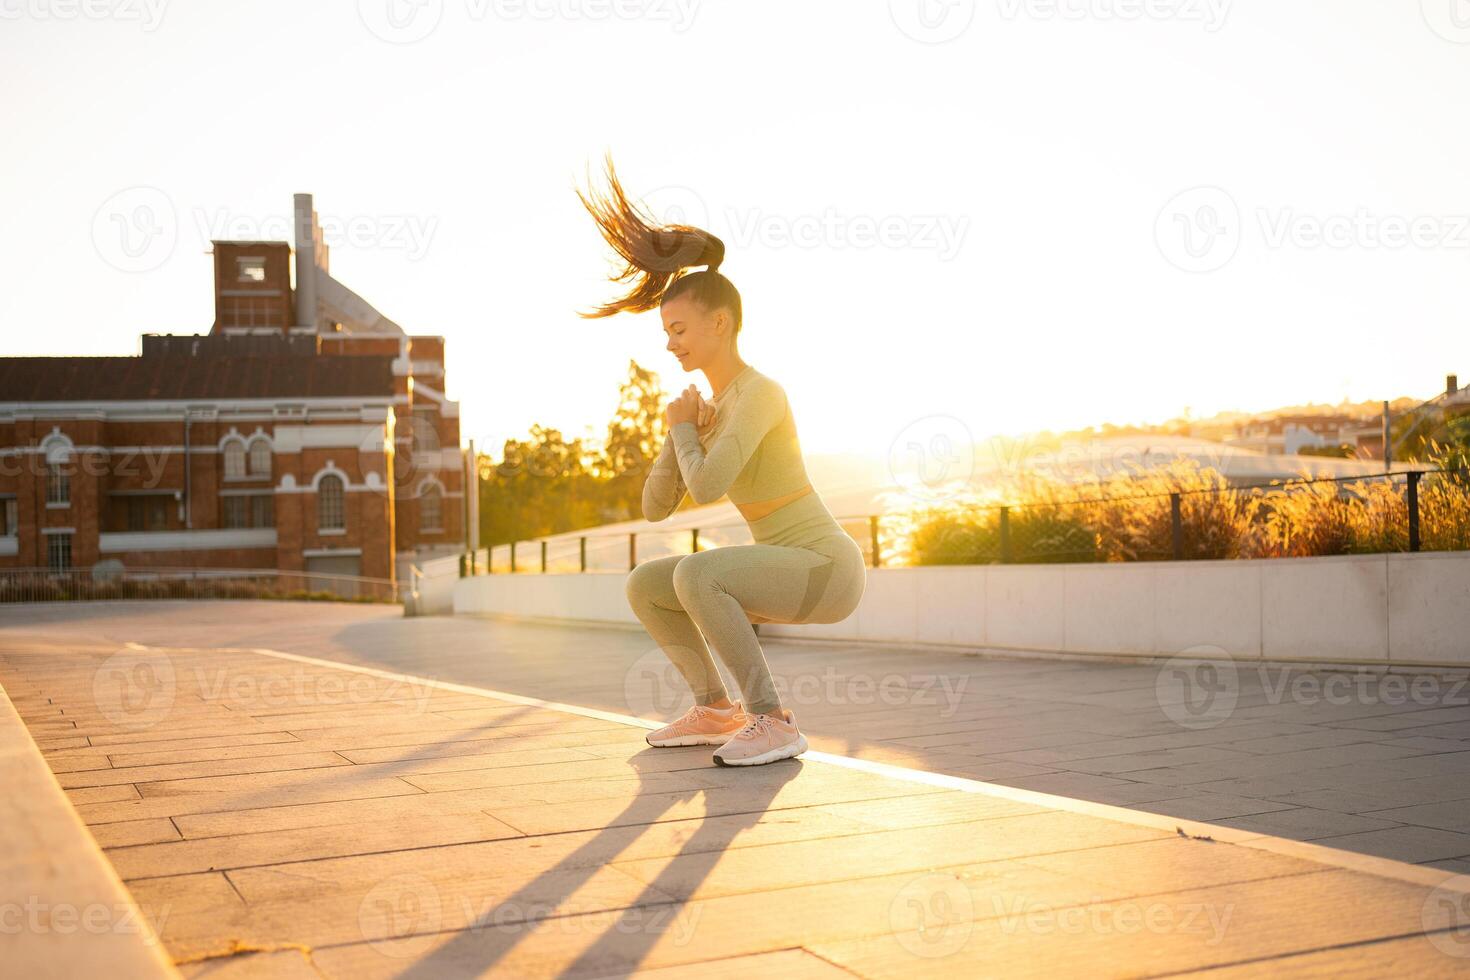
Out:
{"x": 252, "y": 287}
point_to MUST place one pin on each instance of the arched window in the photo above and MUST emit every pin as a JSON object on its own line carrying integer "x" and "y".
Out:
{"x": 329, "y": 511}
{"x": 234, "y": 459}
{"x": 260, "y": 457}
{"x": 431, "y": 506}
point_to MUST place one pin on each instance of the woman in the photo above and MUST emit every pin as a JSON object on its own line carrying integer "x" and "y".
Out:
{"x": 803, "y": 568}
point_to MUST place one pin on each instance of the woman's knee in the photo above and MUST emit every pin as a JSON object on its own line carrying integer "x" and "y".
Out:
{"x": 649, "y": 580}
{"x": 691, "y": 575}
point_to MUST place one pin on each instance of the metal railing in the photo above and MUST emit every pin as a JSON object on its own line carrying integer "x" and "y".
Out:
{"x": 80, "y": 584}
{"x": 1406, "y": 511}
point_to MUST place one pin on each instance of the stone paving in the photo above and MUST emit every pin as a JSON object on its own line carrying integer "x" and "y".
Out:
{"x": 1373, "y": 763}
{"x": 276, "y": 814}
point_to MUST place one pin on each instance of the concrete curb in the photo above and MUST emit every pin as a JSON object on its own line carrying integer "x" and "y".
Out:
{"x": 63, "y": 910}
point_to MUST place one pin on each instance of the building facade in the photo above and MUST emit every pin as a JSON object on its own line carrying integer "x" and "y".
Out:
{"x": 305, "y": 432}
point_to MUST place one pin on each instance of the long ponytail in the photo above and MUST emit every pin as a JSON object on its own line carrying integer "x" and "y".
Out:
{"x": 654, "y": 256}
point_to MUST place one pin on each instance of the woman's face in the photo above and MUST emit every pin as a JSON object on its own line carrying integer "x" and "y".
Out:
{"x": 697, "y": 336}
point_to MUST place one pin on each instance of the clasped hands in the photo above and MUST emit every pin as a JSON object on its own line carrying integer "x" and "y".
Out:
{"x": 690, "y": 406}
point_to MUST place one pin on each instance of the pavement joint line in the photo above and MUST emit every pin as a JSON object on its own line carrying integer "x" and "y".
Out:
{"x": 1319, "y": 853}
{"x": 1315, "y": 950}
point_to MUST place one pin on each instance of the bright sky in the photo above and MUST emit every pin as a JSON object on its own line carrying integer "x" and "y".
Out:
{"x": 982, "y": 210}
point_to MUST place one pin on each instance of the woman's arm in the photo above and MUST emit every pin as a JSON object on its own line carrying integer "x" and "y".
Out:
{"x": 759, "y": 407}
{"x": 664, "y": 488}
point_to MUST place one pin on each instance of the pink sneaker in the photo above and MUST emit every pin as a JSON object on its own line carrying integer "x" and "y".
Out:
{"x": 764, "y": 738}
{"x": 701, "y": 725}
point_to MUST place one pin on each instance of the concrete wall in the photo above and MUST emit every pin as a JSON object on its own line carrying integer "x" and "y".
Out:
{"x": 435, "y": 587}
{"x": 1398, "y": 609}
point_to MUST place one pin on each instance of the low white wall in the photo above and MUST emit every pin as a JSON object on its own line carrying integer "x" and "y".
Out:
{"x": 1396, "y": 609}
{"x": 434, "y": 585}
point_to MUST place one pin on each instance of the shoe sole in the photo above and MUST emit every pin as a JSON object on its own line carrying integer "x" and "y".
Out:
{"x": 677, "y": 740}
{"x": 775, "y": 755}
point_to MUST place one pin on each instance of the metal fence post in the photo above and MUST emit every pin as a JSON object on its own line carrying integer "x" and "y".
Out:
{"x": 1414, "y": 509}
{"x": 873, "y": 539}
{"x": 632, "y": 550}
{"x": 694, "y": 541}
{"x": 582, "y": 549}
{"x": 512, "y": 557}
{"x": 1005, "y": 535}
{"x": 1176, "y": 523}
{"x": 543, "y": 557}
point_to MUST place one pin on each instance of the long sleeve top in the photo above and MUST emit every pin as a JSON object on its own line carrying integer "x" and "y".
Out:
{"x": 753, "y": 451}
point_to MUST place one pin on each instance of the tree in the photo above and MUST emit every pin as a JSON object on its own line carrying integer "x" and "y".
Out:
{"x": 549, "y": 485}
{"x": 634, "y": 437}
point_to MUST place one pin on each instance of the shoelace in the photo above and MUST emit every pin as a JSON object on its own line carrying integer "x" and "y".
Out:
{"x": 756, "y": 723}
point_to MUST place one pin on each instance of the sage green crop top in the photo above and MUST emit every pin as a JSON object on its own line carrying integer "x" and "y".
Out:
{"x": 753, "y": 453}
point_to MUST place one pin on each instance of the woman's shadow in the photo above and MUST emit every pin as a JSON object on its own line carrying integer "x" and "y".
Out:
{"x": 660, "y": 908}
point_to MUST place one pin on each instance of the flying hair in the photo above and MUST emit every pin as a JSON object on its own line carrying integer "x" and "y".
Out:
{"x": 654, "y": 256}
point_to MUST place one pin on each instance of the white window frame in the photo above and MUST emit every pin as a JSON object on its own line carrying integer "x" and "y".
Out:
{"x": 435, "y": 493}
{"x": 52, "y": 546}
{"x": 243, "y": 262}
{"x": 331, "y": 508}
{"x": 234, "y": 456}
{"x": 58, "y": 484}
{"x": 259, "y": 446}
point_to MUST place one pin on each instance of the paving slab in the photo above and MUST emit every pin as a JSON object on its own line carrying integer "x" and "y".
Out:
{"x": 510, "y": 835}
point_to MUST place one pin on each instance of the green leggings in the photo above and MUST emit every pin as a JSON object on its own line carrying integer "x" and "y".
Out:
{"x": 803, "y": 568}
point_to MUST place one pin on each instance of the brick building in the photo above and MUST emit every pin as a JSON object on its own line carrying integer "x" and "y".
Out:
{"x": 304, "y": 432}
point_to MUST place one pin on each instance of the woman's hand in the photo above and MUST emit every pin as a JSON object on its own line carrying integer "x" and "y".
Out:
{"x": 688, "y": 407}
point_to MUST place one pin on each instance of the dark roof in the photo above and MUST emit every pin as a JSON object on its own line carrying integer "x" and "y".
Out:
{"x": 173, "y": 377}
